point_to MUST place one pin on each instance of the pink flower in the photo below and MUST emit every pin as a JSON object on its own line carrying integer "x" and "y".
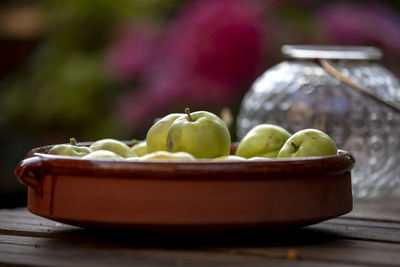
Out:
{"x": 361, "y": 24}
{"x": 218, "y": 40}
{"x": 211, "y": 51}
{"x": 132, "y": 50}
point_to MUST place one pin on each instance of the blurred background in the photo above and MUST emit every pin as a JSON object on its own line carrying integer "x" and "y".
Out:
{"x": 95, "y": 69}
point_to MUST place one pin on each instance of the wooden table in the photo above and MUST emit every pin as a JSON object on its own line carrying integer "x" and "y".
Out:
{"x": 368, "y": 236}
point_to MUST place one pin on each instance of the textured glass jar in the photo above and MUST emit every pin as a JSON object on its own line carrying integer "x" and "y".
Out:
{"x": 361, "y": 111}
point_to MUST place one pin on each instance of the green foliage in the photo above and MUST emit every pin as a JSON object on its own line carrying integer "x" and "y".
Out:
{"x": 63, "y": 87}
{"x": 65, "y": 92}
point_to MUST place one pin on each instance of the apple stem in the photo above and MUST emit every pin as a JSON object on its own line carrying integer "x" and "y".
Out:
{"x": 293, "y": 144}
{"x": 187, "y": 111}
{"x": 72, "y": 141}
{"x": 170, "y": 145}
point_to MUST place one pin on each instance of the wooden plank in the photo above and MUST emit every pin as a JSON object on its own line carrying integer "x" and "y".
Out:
{"x": 366, "y": 222}
{"x": 337, "y": 230}
{"x": 323, "y": 249}
{"x": 160, "y": 260}
{"x": 360, "y": 232}
{"x": 25, "y": 250}
{"x": 377, "y": 212}
{"x": 385, "y": 209}
{"x": 21, "y": 222}
{"x": 37, "y": 229}
{"x": 306, "y": 236}
{"x": 82, "y": 256}
{"x": 23, "y": 217}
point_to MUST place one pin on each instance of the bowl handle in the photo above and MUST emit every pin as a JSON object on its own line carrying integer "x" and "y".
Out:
{"x": 28, "y": 172}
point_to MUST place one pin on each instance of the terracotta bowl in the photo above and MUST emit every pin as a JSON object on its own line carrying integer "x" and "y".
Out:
{"x": 187, "y": 195}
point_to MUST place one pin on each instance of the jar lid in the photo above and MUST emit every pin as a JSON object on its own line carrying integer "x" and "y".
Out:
{"x": 331, "y": 52}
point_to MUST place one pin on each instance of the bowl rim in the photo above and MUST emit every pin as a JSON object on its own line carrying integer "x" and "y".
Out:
{"x": 342, "y": 162}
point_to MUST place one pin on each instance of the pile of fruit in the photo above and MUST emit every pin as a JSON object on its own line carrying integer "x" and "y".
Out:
{"x": 192, "y": 136}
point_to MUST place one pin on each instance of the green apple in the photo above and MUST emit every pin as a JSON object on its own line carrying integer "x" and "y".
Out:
{"x": 201, "y": 133}
{"x": 168, "y": 156}
{"x": 308, "y": 143}
{"x": 230, "y": 158}
{"x": 140, "y": 148}
{"x": 264, "y": 140}
{"x": 113, "y": 145}
{"x": 157, "y": 135}
{"x": 70, "y": 149}
{"x": 103, "y": 155}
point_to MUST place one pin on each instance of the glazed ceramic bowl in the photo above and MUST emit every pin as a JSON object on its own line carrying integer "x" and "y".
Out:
{"x": 187, "y": 195}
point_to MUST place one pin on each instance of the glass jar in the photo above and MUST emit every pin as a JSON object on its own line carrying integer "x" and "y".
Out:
{"x": 343, "y": 91}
